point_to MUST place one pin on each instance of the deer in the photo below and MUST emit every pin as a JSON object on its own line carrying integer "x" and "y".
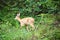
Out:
{"x": 25, "y": 21}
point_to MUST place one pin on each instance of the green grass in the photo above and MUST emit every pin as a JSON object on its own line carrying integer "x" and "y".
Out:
{"x": 44, "y": 29}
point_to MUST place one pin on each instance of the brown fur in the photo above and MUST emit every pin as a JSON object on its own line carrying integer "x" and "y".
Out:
{"x": 25, "y": 21}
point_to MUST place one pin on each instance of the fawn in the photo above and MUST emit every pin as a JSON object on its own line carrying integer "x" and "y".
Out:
{"x": 25, "y": 21}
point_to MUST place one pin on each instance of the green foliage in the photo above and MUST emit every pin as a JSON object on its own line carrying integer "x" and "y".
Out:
{"x": 31, "y": 6}
{"x": 43, "y": 11}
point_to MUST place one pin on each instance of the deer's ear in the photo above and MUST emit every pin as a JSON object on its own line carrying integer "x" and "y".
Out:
{"x": 18, "y": 14}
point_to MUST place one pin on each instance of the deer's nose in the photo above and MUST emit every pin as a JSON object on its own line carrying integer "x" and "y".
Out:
{"x": 15, "y": 18}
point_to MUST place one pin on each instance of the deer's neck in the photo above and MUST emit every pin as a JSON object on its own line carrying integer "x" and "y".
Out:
{"x": 19, "y": 19}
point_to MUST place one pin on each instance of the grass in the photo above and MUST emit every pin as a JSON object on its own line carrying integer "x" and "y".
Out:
{"x": 44, "y": 29}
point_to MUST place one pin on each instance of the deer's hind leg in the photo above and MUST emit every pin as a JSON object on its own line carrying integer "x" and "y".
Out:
{"x": 32, "y": 25}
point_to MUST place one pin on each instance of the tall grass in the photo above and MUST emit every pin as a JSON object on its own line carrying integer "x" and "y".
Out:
{"x": 10, "y": 29}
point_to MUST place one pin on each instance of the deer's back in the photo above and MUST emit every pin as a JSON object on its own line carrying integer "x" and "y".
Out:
{"x": 27, "y": 20}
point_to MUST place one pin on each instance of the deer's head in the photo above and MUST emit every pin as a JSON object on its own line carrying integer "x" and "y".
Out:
{"x": 17, "y": 16}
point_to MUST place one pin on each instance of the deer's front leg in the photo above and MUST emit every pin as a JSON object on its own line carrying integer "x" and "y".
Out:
{"x": 21, "y": 25}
